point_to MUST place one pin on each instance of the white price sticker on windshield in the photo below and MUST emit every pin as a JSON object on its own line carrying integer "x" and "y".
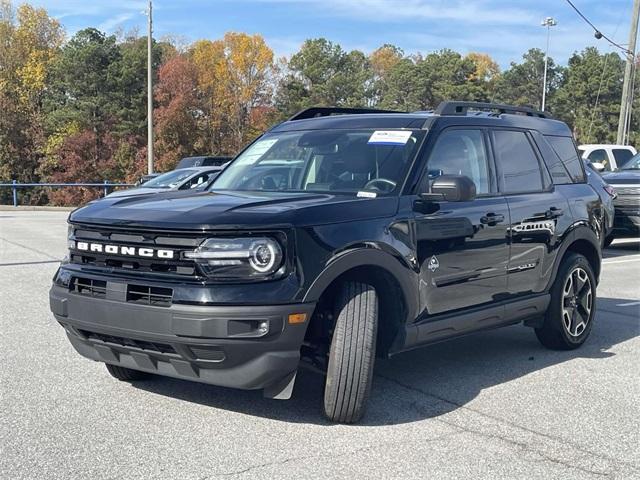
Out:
{"x": 255, "y": 151}
{"x": 390, "y": 137}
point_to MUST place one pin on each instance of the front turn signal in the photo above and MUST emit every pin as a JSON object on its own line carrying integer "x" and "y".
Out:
{"x": 297, "y": 318}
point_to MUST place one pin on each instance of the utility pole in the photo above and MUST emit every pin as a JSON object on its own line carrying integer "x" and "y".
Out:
{"x": 150, "y": 91}
{"x": 624, "y": 123}
{"x": 547, "y": 22}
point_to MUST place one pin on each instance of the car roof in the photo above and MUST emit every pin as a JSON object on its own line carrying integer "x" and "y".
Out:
{"x": 606, "y": 145}
{"x": 447, "y": 114}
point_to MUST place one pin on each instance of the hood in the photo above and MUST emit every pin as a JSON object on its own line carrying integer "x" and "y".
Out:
{"x": 137, "y": 191}
{"x": 233, "y": 210}
{"x": 622, "y": 177}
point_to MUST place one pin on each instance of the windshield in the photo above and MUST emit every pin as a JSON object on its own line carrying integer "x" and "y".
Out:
{"x": 633, "y": 163}
{"x": 375, "y": 161}
{"x": 170, "y": 179}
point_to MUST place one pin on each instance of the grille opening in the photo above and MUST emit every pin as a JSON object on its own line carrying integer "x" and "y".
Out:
{"x": 208, "y": 353}
{"x": 156, "y": 296}
{"x": 129, "y": 342}
{"x": 90, "y": 287}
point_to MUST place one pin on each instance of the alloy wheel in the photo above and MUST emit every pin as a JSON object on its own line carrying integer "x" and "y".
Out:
{"x": 577, "y": 302}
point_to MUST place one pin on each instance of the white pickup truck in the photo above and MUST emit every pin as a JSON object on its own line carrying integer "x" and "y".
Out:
{"x": 607, "y": 157}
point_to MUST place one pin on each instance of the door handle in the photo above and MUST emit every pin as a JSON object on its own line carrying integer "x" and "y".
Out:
{"x": 553, "y": 212}
{"x": 492, "y": 219}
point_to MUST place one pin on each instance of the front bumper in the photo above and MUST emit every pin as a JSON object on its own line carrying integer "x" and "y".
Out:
{"x": 627, "y": 220}
{"x": 219, "y": 345}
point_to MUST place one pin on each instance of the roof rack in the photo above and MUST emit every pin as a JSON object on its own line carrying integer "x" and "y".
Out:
{"x": 461, "y": 108}
{"x": 315, "y": 112}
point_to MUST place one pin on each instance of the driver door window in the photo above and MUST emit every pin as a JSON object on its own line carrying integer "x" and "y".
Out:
{"x": 461, "y": 152}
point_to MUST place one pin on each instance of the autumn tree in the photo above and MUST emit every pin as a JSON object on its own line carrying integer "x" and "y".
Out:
{"x": 178, "y": 112}
{"x": 234, "y": 77}
{"x": 29, "y": 43}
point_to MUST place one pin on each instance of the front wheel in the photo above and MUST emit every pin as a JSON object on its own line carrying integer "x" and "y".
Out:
{"x": 352, "y": 353}
{"x": 569, "y": 318}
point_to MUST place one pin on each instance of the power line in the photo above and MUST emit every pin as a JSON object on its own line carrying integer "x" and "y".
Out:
{"x": 598, "y": 33}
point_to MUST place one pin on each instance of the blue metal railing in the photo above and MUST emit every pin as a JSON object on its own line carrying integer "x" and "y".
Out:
{"x": 14, "y": 185}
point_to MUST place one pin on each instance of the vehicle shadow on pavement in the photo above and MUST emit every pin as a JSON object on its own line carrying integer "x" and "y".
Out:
{"x": 427, "y": 382}
{"x": 622, "y": 247}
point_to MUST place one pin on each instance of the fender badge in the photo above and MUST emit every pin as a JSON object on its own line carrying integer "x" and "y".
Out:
{"x": 434, "y": 264}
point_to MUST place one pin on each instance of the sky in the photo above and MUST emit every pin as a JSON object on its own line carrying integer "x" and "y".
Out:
{"x": 505, "y": 29}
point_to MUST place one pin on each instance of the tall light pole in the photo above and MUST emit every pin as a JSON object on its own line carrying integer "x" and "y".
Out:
{"x": 547, "y": 22}
{"x": 624, "y": 123}
{"x": 150, "y": 90}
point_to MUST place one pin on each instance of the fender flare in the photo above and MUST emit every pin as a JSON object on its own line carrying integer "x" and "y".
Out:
{"x": 369, "y": 257}
{"x": 576, "y": 233}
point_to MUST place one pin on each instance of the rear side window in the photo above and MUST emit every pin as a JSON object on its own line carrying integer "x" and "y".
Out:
{"x": 622, "y": 156}
{"x": 559, "y": 174}
{"x": 519, "y": 167}
{"x": 566, "y": 150}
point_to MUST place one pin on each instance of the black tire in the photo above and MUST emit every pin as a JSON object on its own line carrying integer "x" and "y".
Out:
{"x": 352, "y": 353}
{"x": 126, "y": 374}
{"x": 555, "y": 333}
{"x": 607, "y": 241}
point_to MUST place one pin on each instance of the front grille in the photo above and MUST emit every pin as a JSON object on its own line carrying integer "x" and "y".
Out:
{"x": 208, "y": 353}
{"x": 143, "y": 294}
{"x": 129, "y": 342}
{"x": 89, "y": 287}
{"x": 136, "y": 239}
{"x": 627, "y": 201}
{"x": 630, "y": 190}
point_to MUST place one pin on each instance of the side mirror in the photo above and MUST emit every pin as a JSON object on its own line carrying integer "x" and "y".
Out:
{"x": 597, "y": 166}
{"x": 452, "y": 188}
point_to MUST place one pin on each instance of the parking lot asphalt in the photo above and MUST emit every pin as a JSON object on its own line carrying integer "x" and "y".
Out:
{"x": 493, "y": 405}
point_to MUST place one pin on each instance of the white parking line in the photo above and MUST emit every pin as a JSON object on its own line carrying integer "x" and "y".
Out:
{"x": 626, "y": 260}
{"x": 629, "y": 304}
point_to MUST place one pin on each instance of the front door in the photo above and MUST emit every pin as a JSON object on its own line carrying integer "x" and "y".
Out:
{"x": 462, "y": 248}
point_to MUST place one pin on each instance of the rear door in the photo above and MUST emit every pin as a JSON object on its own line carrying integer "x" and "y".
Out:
{"x": 537, "y": 210}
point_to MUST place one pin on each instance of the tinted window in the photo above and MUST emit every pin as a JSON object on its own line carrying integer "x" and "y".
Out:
{"x": 566, "y": 150}
{"x": 461, "y": 152}
{"x": 559, "y": 174}
{"x": 599, "y": 155}
{"x": 622, "y": 156}
{"x": 518, "y": 162}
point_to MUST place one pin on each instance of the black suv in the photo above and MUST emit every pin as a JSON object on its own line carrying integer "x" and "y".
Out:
{"x": 337, "y": 237}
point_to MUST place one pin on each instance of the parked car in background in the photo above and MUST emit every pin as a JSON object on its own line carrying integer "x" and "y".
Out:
{"x": 147, "y": 177}
{"x": 626, "y": 183}
{"x": 607, "y": 194}
{"x": 183, "y": 179}
{"x": 202, "y": 161}
{"x": 607, "y": 157}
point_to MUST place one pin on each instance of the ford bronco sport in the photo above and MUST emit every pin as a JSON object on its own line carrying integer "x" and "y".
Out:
{"x": 340, "y": 236}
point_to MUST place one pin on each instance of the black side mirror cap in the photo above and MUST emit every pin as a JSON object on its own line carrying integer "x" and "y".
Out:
{"x": 452, "y": 188}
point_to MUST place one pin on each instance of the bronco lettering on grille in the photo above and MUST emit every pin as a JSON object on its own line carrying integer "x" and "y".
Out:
{"x": 126, "y": 251}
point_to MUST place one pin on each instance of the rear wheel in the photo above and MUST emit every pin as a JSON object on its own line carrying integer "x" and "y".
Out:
{"x": 352, "y": 353}
{"x": 126, "y": 374}
{"x": 569, "y": 318}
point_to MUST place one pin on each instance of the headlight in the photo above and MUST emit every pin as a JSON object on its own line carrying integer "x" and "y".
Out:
{"x": 250, "y": 257}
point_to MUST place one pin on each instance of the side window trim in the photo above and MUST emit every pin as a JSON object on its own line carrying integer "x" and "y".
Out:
{"x": 500, "y": 177}
{"x": 423, "y": 184}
